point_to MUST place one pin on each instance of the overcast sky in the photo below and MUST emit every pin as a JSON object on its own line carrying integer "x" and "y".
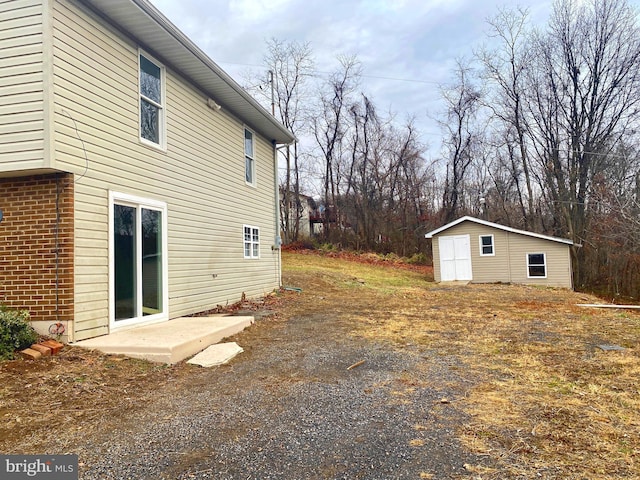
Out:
{"x": 406, "y": 47}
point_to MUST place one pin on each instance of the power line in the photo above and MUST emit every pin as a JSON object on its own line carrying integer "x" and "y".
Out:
{"x": 431, "y": 82}
{"x": 428, "y": 82}
{"x": 578, "y": 152}
{"x": 316, "y": 72}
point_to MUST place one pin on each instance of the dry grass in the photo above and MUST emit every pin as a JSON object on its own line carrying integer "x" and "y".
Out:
{"x": 69, "y": 392}
{"x": 547, "y": 401}
{"x": 541, "y": 399}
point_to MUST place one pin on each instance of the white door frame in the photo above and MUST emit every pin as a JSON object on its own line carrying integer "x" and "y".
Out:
{"x": 137, "y": 202}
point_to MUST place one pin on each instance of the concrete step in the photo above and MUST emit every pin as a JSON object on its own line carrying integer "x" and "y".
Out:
{"x": 217, "y": 354}
{"x": 171, "y": 341}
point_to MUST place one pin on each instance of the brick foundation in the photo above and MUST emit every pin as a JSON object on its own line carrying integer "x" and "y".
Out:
{"x": 29, "y": 271}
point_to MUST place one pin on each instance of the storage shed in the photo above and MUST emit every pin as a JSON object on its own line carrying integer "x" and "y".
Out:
{"x": 475, "y": 250}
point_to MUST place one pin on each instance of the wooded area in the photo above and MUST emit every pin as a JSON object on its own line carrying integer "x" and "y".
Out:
{"x": 540, "y": 133}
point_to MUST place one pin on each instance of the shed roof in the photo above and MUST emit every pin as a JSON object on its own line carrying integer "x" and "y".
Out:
{"x": 145, "y": 23}
{"x": 498, "y": 226}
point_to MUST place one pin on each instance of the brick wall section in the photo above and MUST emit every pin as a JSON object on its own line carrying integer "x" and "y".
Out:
{"x": 28, "y": 245}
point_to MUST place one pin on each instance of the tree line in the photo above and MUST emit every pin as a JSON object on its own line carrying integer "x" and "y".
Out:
{"x": 539, "y": 132}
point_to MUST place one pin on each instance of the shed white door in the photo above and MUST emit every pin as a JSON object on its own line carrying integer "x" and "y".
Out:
{"x": 455, "y": 258}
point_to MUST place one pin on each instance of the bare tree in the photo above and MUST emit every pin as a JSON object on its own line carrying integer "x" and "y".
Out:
{"x": 330, "y": 125}
{"x": 612, "y": 252}
{"x": 408, "y": 181}
{"x": 505, "y": 67}
{"x": 385, "y": 182}
{"x": 461, "y": 136}
{"x": 291, "y": 65}
{"x": 585, "y": 97}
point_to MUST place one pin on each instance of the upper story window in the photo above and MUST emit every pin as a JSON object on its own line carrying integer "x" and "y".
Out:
{"x": 486, "y": 245}
{"x": 152, "y": 101}
{"x": 536, "y": 265}
{"x": 249, "y": 161}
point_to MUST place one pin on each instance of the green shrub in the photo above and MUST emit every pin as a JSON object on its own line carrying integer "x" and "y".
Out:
{"x": 15, "y": 332}
{"x": 390, "y": 257}
{"x": 417, "y": 259}
{"x": 327, "y": 247}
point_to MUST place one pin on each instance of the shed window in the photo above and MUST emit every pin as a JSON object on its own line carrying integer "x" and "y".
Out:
{"x": 536, "y": 265}
{"x": 486, "y": 245}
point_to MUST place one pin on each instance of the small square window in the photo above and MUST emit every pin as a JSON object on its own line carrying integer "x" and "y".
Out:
{"x": 536, "y": 265}
{"x": 251, "y": 242}
{"x": 486, "y": 245}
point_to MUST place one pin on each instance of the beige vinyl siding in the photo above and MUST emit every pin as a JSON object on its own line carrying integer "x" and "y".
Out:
{"x": 485, "y": 268}
{"x": 435, "y": 251}
{"x": 509, "y": 264}
{"x": 200, "y": 176}
{"x": 491, "y": 268}
{"x": 22, "y": 119}
{"x": 557, "y": 261}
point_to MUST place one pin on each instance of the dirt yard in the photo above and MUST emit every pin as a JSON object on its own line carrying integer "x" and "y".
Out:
{"x": 372, "y": 371}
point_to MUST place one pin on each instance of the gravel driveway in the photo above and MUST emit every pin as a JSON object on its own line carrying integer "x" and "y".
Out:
{"x": 289, "y": 408}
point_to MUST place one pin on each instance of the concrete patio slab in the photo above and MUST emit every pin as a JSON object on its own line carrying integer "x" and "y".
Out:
{"x": 218, "y": 354}
{"x": 171, "y": 341}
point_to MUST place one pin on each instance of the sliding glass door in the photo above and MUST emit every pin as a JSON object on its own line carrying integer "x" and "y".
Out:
{"x": 124, "y": 251}
{"x": 138, "y": 259}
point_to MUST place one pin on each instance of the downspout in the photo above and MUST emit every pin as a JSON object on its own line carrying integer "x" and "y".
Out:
{"x": 57, "y": 242}
{"x": 509, "y": 257}
{"x": 278, "y": 240}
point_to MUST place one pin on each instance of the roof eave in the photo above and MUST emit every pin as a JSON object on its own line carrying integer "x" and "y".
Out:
{"x": 447, "y": 226}
{"x": 499, "y": 227}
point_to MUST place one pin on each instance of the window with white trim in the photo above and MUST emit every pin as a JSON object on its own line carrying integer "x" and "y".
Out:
{"x": 251, "y": 242}
{"x": 152, "y": 114}
{"x": 486, "y": 246}
{"x": 249, "y": 161}
{"x": 536, "y": 265}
